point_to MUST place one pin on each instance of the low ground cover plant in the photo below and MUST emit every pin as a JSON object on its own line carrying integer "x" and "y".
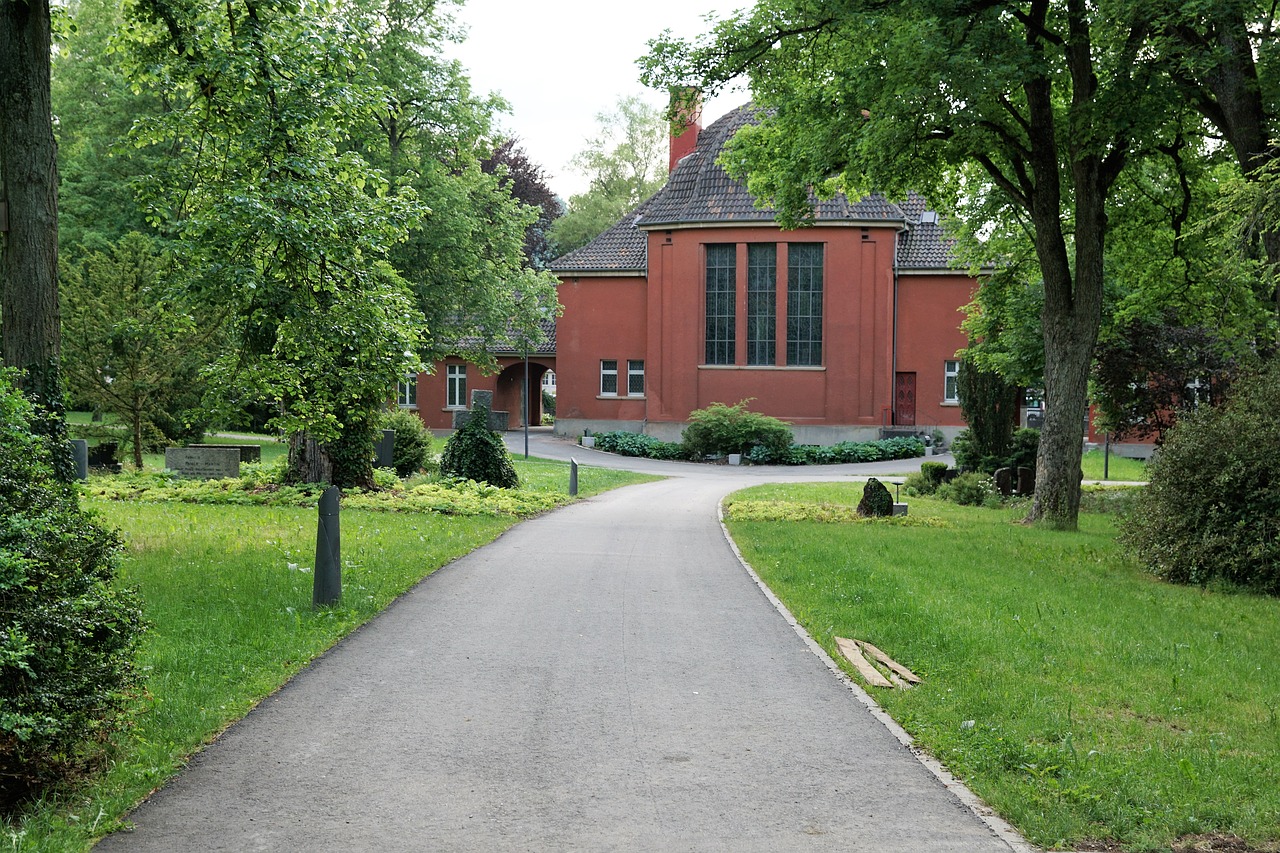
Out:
{"x": 1079, "y": 697}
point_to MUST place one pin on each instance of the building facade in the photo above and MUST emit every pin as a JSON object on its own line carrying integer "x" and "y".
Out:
{"x": 847, "y": 328}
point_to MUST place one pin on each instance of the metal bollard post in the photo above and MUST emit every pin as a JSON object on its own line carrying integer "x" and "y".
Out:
{"x": 573, "y": 477}
{"x": 327, "y": 588}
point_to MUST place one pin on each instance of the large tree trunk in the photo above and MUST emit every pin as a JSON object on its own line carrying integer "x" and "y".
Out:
{"x": 29, "y": 178}
{"x": 29, "y": 185}
{"x": 309, "y": 460}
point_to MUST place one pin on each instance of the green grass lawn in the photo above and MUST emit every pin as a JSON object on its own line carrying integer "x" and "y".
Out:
{"x": 1080, "y": 697}
{"x": 1096, "y": 466}
{"x": 227, "y": 593}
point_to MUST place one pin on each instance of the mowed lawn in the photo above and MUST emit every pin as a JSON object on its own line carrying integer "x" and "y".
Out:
{"x": 1081, "y": 698}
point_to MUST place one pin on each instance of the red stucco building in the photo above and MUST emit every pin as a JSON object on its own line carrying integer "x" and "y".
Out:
{"x": 843, "y": 328}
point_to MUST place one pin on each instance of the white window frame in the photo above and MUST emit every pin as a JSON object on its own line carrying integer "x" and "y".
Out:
{"x": 635, "y": 370}
{"x": 951, "y": 381}
{"x": 455, "y": 386}
{"x": 407, "y": 392}
{"x": 608, "y": 373}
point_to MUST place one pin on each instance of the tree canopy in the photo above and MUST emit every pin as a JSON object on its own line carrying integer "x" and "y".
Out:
{"x": 1032, "y": 114}
{"x": 626, "y": 163}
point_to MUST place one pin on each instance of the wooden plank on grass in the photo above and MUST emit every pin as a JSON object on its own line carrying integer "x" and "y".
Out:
{"x": 889, "y": 662}
{"x": 850, "y": 650}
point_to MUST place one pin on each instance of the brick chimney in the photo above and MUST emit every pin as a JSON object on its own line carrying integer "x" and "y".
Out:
{"x": 686, "y": 123}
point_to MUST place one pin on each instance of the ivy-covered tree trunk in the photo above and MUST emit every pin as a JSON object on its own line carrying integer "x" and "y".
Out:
{"x": 29, "y": 184}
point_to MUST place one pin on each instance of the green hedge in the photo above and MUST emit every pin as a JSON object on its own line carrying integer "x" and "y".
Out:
{"x": 635, "y": 444}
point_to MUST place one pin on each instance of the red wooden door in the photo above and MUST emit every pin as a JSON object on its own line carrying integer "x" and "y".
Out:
{"x": 904, "y": 399}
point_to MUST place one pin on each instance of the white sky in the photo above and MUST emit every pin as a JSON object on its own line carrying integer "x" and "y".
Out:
{"x": 560, "y": 63}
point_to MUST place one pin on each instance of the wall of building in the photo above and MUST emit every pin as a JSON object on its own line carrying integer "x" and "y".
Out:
{"x": 604, "y": 318}
{"x": 929, "y": 317}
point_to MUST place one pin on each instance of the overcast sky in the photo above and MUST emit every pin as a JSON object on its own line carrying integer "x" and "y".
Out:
{"x": 560, "y": 63}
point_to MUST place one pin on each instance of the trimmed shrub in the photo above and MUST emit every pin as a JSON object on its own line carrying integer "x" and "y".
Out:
{"x": 927, "y": 480}
{"x": 67, "y": 632}
{"x": 719, "y": 430}
{"x": 1211, "y": 507}
{"x": 476, "y": 452}
{"x": 413, "y": 441}
{"x": 971, "y": 489}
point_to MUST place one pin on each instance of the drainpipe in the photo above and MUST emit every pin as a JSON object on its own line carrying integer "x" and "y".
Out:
{"x": 893, "y": 375}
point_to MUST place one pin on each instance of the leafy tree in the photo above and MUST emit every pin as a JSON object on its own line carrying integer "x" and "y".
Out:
{"x": 67, "y": 630}
{"x": 95, "y": 106}
{"x": 29, "y": 339}
{"x": 626, "y": 163}
{"x": 465, "y": 262}
{"x": 1038, "y": 107}
{"x": 1225, "y": 59}
{"x": 527, "y": 182}
{"x": 280, "y": 222}
{"x": 1151, "y": 373}
{"x": 128, "y": 346}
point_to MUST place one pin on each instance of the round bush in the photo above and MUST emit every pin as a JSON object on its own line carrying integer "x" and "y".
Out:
{"x": 412, "y": 444}
{"x": 67, "y": 632}
{"x": 719, "y": 430}
{"x": 1211, "y": 506}
{"x": 476, "y": 452}
{"x": 971, "y": 489}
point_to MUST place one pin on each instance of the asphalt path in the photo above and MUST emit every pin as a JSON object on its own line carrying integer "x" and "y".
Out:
{"x": 608, "y": 676}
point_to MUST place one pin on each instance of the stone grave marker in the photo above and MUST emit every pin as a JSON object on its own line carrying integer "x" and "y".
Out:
{"x": 203, "y": 462}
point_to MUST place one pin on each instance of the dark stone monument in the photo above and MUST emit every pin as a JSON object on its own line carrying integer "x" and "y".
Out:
{"x": 249, "y": 453}
{"x": 80, "y": 453}
{"x": 385, "y": 450}
{"x": 1004, "y": 481}
{"x": 876, "y": 501}
{"x": 102, "y": 458}
{"x": 1026, "y": 481}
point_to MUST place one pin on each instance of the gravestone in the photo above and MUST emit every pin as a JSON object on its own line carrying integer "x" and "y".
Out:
{"x": 1004, "y": 481}
{"x": 385, "y": 450}
{"x": 249, "y": 453}
{"x": 102, "y": 458}
{"x": 498, "y": 421}
{"x": 80, "y": 453}
{"x": 203, "y": 462}
{"x": 1026, "y": 481}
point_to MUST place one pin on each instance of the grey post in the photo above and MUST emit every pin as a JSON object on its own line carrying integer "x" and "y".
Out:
{"x": 327, "y": 588}
{"x": 80, "y": 453}
{"x": 573, "y": 477}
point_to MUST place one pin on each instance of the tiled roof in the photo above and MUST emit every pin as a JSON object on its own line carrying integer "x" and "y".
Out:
{"x": 700, "y": 192}
{"x": 504, "y": 344}
{"x": 622, "y": 248}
